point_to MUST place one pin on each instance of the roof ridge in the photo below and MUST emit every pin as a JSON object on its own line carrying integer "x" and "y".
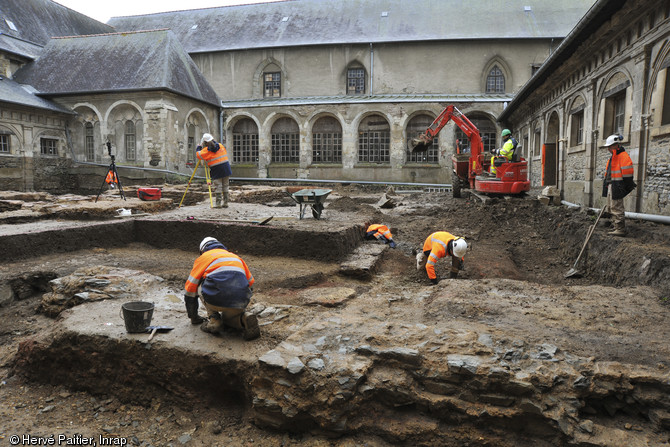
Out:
{"x": 113, "y": 34}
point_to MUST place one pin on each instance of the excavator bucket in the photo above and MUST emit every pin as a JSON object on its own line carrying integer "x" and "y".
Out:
{"x": 420, "y": 143}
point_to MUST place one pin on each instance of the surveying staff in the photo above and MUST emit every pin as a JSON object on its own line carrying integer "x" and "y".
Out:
{"x": 216, "y": 156}
{"x": 224, "y": 283}
{"x": 507, "y": 150}
{"x": 381, "y": 233}
{"x": 618, "y": 183}
{"x": 438, "y": 245}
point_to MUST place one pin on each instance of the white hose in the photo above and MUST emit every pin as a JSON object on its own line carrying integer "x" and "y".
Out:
{"x": 640, "y": 216}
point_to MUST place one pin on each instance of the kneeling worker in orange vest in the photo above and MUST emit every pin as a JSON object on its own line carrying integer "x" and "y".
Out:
{"x": 438, "y": 245}
{"x": 111, "y": 179}
{"x": 224, "y": 282}
{"x": 381, "y": 233}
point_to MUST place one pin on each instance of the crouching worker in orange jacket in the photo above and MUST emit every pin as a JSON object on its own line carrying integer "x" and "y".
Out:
{"x": 224, "y": 283}
{"x": 438, "y": 245}
{"x": 111, "y": 179}
{"x": 381, "y": 233}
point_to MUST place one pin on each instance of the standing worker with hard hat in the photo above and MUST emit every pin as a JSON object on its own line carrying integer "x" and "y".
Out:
{"x": 438, "y": 245}
{"x": 216, "y": 157}
{"x": 507, "y": 150}
{"x": 618, "y": 183}
{"x": 224, "y": 283}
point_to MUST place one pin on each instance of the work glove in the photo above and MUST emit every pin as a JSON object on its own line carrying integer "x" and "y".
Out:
{"x": 434, "y": 281}
{"x": 392, "y": 244}
{"x": 198, "y": 148}
{"x": 192, "y": 309}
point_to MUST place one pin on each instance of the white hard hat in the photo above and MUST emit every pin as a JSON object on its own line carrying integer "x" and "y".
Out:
{"x": 612, "y": 139}
{"x": 459, "y": 247}
{"x": 420, "y": 257}
{"x": 207, "y": 137}
{"x": 206, "y": 242}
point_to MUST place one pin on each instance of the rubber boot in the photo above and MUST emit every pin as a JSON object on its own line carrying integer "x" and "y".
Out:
{"x": 214, "y": 325}
{"x": 219, "y": 199}
{"x": 226, "y": 196}
{"x": 250, "y": 327}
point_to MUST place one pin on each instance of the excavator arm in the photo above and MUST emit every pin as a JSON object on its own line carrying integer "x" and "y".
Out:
{"x": 450, "y": 113}
{"x": 512, "y": 177}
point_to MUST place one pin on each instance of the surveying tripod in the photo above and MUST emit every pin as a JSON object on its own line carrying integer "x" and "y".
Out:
{"x": 207, "y": 178}
{"x": 115, "y": 175}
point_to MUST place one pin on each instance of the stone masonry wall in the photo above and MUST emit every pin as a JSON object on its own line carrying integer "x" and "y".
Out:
{"x": 656, "y": 193}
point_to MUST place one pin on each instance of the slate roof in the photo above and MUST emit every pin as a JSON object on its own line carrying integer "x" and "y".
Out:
{"x": 19, "y": 47}
{"x": 26, "y": 25}
{"x": 316, "y": 22}
{"x": 149, "y": 60}
{"x": 12, "y": 92}
{"x": 601, "y": 12}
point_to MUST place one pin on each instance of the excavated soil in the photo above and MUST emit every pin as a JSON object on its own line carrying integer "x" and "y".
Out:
{"x": 513, "y": 288}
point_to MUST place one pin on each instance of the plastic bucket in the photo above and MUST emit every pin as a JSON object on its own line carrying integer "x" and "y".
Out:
{"x": 137, "y": 315}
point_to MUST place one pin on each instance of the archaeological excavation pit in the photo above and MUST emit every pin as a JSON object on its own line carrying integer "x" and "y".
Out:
{"x": 353, "y": 343}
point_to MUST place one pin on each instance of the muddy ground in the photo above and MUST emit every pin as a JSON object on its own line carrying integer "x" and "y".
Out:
{"x": 615, "y": 311}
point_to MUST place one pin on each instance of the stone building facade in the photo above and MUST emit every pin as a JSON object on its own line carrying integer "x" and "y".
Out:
{"x": 328, "y": 89}
{"x": 334, "y": 89}
{"x": 140, "y": 92}
{"x": 607, "y": 77}
{"x": 32, "y": 144}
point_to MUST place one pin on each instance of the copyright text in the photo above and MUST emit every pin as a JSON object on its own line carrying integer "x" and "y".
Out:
{"x": 66, "y": 440}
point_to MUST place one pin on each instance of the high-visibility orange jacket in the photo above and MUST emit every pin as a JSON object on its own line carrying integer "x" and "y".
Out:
{"x": 218, "y": 162}
{"x": 111, "y": 177}
{"x": 378, "y": 231}
{"x": 437, "y": 244}
{"x": 223, "y": 277}
{"x": 619, "y": 174}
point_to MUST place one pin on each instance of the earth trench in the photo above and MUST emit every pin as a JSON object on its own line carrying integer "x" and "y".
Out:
{"x": 356, "y": 346}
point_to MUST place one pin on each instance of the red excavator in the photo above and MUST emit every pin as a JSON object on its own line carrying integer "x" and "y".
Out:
{"x": 470, "y": 170}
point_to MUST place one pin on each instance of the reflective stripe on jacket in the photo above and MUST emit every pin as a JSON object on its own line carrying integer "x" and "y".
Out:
{"x": 620, "y": 174}
{"x": 380, "y": 231}
{"x": 224, "y": 278}
{"x": 437, "y": 244}
{"x": 218, "y": 162}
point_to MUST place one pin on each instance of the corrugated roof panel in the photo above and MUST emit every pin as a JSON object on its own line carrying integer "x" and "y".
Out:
{"x": 343, "y": 99}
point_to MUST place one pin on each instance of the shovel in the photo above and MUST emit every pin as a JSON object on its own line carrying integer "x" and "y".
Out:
{"x": 573, "y": 271}
{"x": 257, "y": 222}
{"x": 154, "y": 329}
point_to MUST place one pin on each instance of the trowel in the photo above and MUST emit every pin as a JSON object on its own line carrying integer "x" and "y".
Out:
{"x": 154, "y": 329}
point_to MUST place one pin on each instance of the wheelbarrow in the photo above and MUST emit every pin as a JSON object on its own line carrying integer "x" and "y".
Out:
{"x": 313, "y": 198}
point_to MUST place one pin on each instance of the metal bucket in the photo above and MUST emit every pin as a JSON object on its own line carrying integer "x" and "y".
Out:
{"x": 137, "y": 315}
